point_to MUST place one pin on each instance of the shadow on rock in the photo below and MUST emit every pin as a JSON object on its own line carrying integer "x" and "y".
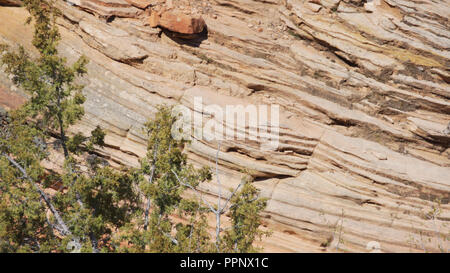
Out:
{"x": 193, "y": 40}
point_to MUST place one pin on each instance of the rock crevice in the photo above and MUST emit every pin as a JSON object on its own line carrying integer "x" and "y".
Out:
{"x": 363, "y": 89}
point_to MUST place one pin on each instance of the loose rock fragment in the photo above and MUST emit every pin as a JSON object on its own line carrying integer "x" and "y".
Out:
{"x": 178, "y": 22}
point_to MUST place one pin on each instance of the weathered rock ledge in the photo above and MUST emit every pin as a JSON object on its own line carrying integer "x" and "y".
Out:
{"x": 363, "y": 88}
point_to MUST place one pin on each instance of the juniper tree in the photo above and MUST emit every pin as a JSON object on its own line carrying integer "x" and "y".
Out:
{"x": 243, "y": 205}
{"x": 96, "y": 208}
{"x": 164, "y": 166}
{"x": 91, "y": 203}
{"x": 165, "y": 177}
{"x": 245, "y": 209}
{"x": 23, "y": 222}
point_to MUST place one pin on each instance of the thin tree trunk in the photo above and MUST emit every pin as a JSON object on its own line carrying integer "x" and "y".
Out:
{"x": 219, "y": 209}
{"x": 63, "y": 227}
{"x": 94, "y": 243}
{"x": 147, "y": 208}
{"x": 66, "y": 156}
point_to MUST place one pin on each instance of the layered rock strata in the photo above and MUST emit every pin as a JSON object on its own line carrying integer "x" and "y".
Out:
{"x": 363, "y": 89}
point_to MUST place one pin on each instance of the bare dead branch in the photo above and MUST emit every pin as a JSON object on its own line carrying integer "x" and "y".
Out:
{"x": 62, "y": 227}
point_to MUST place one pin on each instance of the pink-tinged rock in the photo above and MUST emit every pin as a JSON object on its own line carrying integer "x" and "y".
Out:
{"x": 142, "y": 4}
{"x": 16, "y": 3}
{"x": 107, "y": 8}
{"x": 181, "y": 23}
{"x": 153, "y": 20}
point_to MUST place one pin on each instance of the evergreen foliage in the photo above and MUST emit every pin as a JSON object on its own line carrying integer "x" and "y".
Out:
{"x": 86, "y": 205}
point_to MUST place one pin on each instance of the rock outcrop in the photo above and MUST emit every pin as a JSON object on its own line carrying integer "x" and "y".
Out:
{"x": 142, "y": 4}
{"x": 107, "y": 8}
{"x": 12, "y": 3}
{"x": 363, "y": 89}
{"x": 178, "y": 22}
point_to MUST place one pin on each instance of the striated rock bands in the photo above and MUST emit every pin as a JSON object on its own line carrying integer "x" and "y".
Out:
{"x": 142, "y": 4}
{"x": 108, "y": 8}
{"x": 363, "y": 89}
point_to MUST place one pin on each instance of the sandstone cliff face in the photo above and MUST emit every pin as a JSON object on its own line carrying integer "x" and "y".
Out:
{"x": 14, "y": 3}
{"x": 363, "y": 88}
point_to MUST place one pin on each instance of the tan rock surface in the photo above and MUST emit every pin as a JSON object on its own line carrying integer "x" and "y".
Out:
{"x": 10, "y": 2}
{"x": 364, "y": 100}
{"x": 181, "y": 23}
{"x": 107, "y": 8}
{"x": 142, "y": 4}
